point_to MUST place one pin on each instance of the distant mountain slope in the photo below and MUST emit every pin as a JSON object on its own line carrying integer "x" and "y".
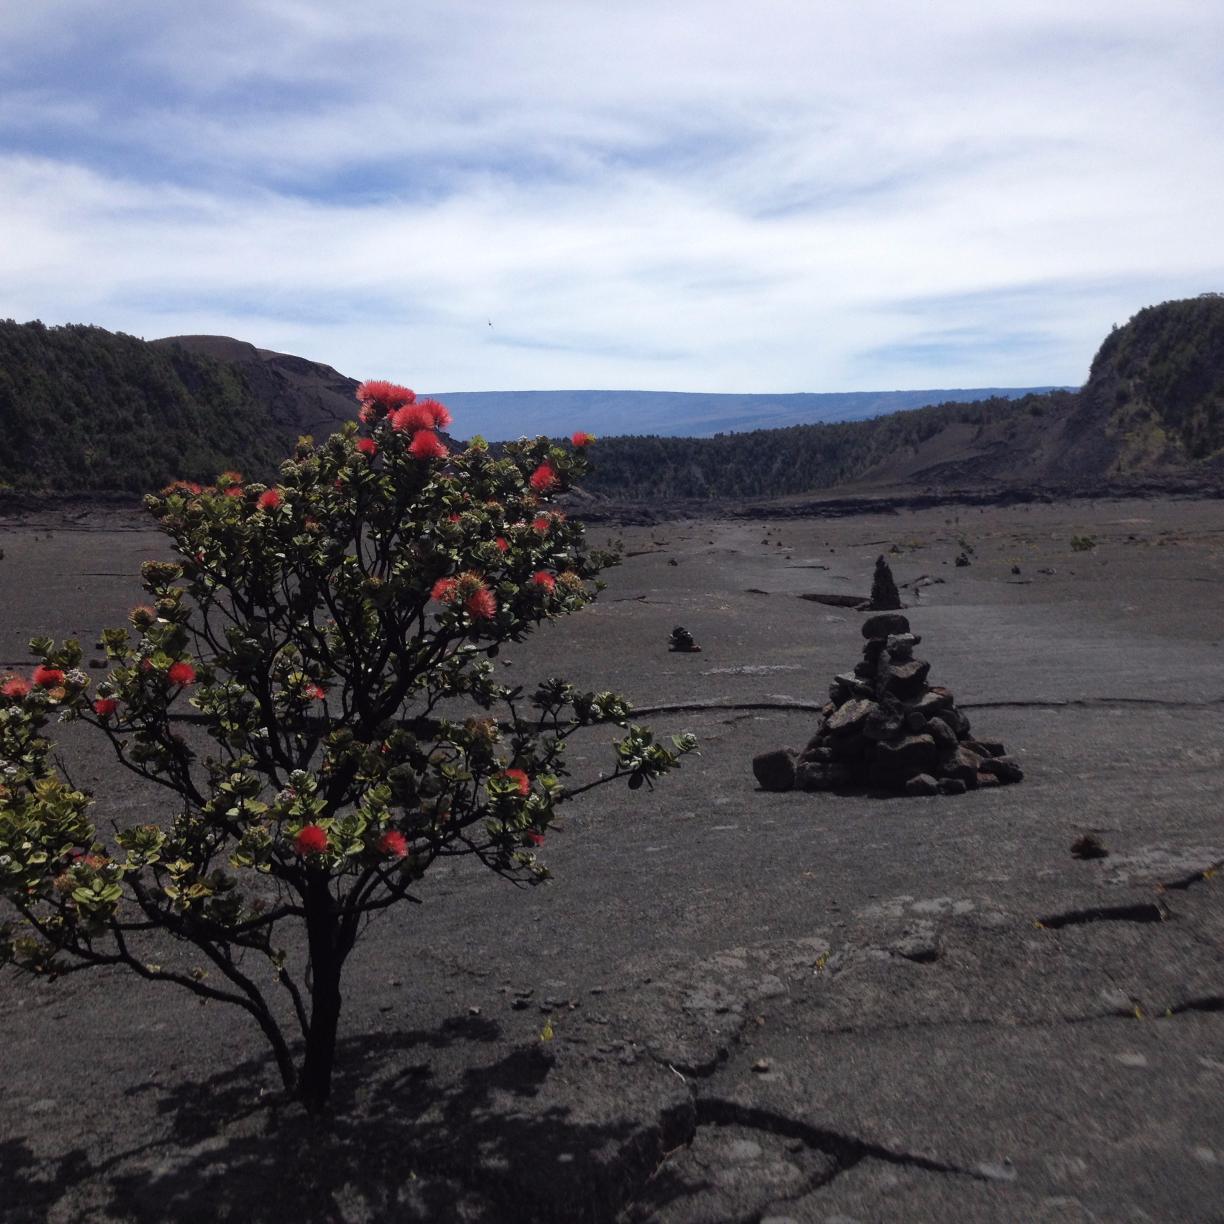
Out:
{"x": 303, "y": 397}
{"x": 503, "y": 415}
{"x": 86, "y": 409}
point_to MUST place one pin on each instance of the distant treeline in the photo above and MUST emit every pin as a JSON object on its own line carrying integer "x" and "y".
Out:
{"x": 776, "y": 462}
{"x": 85, "y": 409}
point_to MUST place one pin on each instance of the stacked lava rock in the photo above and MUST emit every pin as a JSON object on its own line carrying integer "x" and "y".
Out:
{"x": 886, "y": 729}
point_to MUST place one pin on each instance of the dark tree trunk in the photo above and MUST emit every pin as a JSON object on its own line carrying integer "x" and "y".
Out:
{"x": 326, "y": 961}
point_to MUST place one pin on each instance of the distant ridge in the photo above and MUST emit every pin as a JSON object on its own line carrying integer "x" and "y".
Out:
{"x": 503, "y": 415}
{"x": 87, "y": 410}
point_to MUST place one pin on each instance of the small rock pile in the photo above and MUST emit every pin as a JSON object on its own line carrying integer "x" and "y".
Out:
{"x": 682, "y": 640}
{"x": 886, "y": 729}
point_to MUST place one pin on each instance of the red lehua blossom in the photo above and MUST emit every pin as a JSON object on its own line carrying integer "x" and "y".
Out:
{"x": 421, "y": 415}
{"x": 181, "y": 673}
{"x": 315, "y": 691}
{"x": 427, "y": 445}
{"x": 481, "y": 605}
{"x": 367, "y": 414}
{"x": 582, "y": 438}
{"x": 182, "y": 486}
{"x": 269, "y": 499}
{"x": 367, "y": 446}
{"x": 454, "y": 518}
{"x": 438, "y": 414}
{"x": 47, "y": 677}
{"x": 234, "y": 491}
{"x": 445, "y": 590}
{"x": 407, "y": 419}
{"x": 502, "y": 544}
{"x": 544, "y": 478}
{"x": 544, "y": 580}
{"x": 393, "y": 844}
{"x": 536, "y": 839}
{"x": 229, "y": 478}
{"x": 14, "y": 686}
{"x": 311, "y": 840}
{"x": 520, "y": 777}
{"x": 386, "y": 395}
{"x": 541, "y": 524}
{"x": 104, "y": 706}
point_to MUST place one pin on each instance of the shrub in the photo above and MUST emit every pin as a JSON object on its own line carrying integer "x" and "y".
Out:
{"x": 323, "y": 718}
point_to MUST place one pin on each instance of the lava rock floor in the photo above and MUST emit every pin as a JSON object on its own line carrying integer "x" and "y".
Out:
{"x": 763, "y": 1007}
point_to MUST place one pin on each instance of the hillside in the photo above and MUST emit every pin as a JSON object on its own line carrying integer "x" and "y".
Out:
{"x": 301, "y": 396}
{"x": 1153, "y": 408}
{"x": 86, "y": 409}
{"x": 1161, "y": 380}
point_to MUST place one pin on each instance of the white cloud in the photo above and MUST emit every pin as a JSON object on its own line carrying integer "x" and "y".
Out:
{"x": 697, "y": 197}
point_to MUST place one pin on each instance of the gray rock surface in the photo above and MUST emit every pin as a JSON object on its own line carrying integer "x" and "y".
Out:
{"x": 814, "y": 1007}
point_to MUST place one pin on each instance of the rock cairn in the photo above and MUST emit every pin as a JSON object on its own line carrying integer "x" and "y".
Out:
{"x": 884, "y": 594}
{"x": 886, "y": 729}
{"x": 681, "y": 640}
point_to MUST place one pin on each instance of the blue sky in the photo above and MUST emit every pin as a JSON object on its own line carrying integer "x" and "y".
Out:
{"x": 697, "y": 196}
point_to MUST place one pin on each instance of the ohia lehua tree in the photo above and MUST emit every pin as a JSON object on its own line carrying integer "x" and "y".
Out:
{"x": 311, "y": 687}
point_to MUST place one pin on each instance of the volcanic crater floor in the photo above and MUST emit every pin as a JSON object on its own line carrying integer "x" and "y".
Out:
{"x": 762, "y": 1007}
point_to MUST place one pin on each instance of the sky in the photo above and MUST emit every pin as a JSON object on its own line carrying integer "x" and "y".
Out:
{"x": 817, "y": 195}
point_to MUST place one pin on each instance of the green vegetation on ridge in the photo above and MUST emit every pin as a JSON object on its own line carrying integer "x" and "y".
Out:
{"x": 82, "y": 408}
{"x": 85, "y": 409}
{"x": 1162, "y": 376}
{"x": 778, "y": 462}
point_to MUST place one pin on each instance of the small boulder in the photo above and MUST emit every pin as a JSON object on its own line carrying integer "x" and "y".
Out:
{"x": 943, "y": 735}
{"x": 816, "y": 754}
{"x": 681, "y": 641}
{"x": 1005, "y": 768}
{"x": 987, "y": 748}
{"x": 881, "y": 625}
{"x": 847, "y": 686}
{"x": 952, "y": 786}
{"x": 883, "y": 723}
{"x": 775, "y": 771}
{"x": 901, "y": 646}
{"x": 962, "y": 764}
{"x": 922, "y": 784}
{"x": 935, "y": 698}
{"x": 905, "y": 679}
{"x": 849, "y": 716}
{"x": 911, "y": 753}
{"x": 851, "y": 747}
{"x": 817, "y": 777}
